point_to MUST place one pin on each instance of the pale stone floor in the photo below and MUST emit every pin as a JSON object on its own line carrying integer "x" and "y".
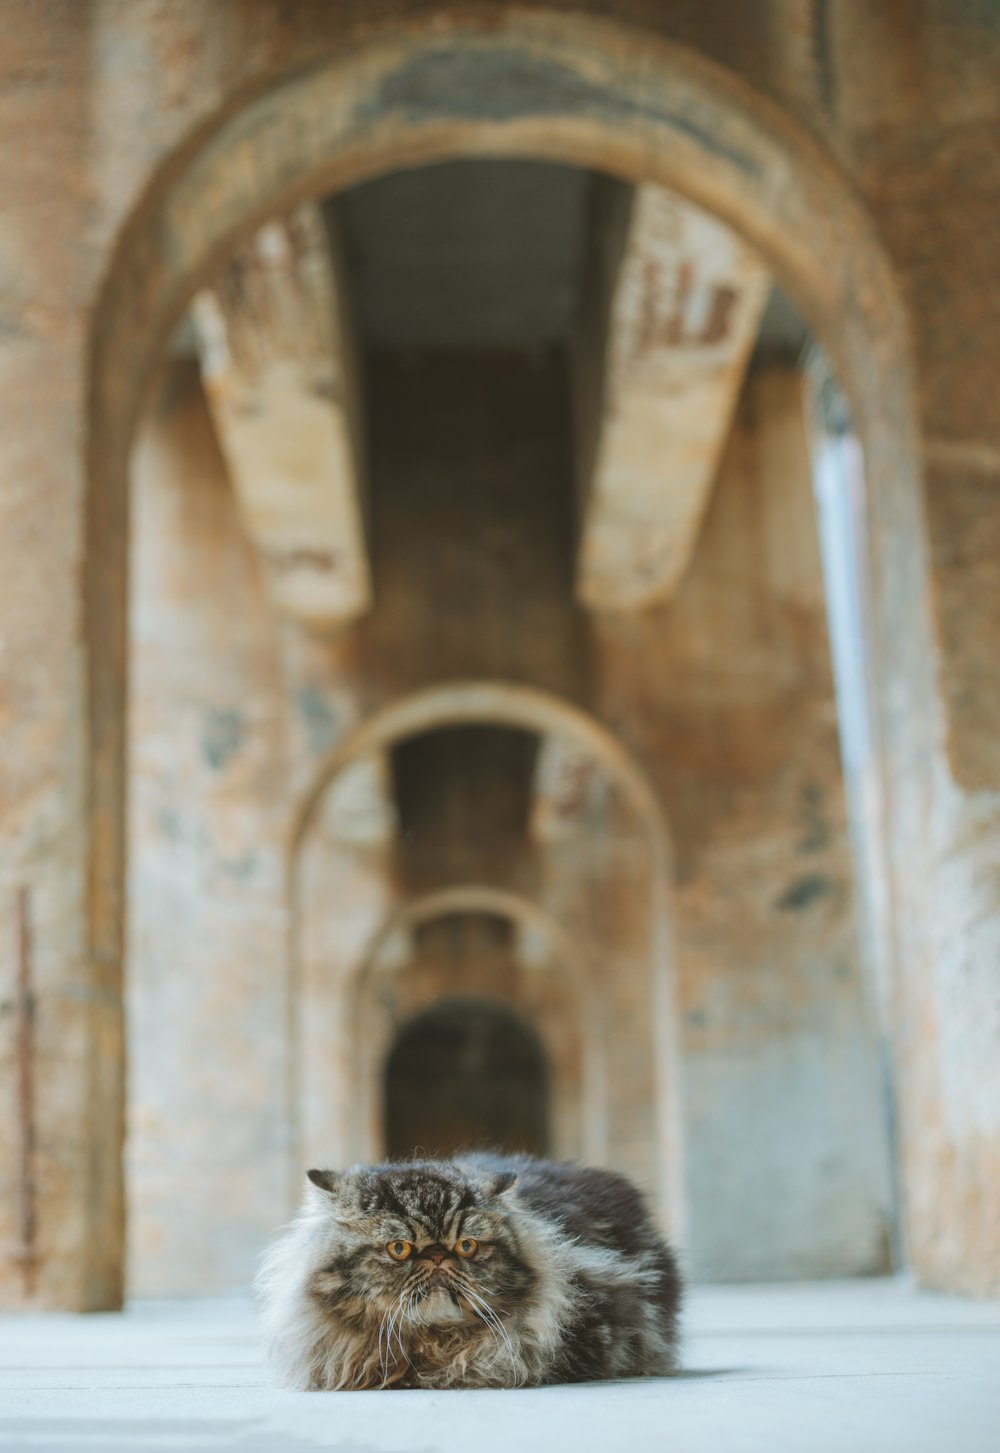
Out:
{"x": 796, "y": 1369}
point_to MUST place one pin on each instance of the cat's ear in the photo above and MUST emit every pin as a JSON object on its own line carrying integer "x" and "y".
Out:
{"x": 506, "y": 1181}
{"x": 326, "y": 1180}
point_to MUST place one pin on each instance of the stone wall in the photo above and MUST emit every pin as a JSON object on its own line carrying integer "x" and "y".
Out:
{"x": 890, "y": 117}
{"x": 208, "y": 1122}
{"x": 729, "y": 695}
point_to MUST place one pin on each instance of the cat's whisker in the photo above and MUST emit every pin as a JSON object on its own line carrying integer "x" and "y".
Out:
{"x": 388, "y": 1340}
{"x": 387, "y": 1327}
{"x": 394, "y": 1319}
{"x": 490, "y": 1318}
{"x": 389, "y": 1356}
{"x": 401, "y": 1320}
{"x": 487, "y": 1324}
{"x": 498, "y": 1324}
{"x": 480, "y": 1313}
{"x": 489, "y": 1328}
{"x": 382, "y": 1358}
{"x": 491, "y": 1311}
{"x": 382, "y": 1345}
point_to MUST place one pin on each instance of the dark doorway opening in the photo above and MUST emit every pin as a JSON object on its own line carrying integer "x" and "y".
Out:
{"x": 465, "y": 1074}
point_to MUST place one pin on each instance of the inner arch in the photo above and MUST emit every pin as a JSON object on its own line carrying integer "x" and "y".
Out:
{"x": 466, "y": 1073}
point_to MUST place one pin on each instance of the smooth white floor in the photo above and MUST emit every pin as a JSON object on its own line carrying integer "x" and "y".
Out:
{"x": 797, "y": 1369}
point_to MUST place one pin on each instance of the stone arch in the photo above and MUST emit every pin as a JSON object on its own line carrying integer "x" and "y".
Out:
{"x": 478, "y": 898}
{"x": 496, "y": 703}
{"x": 489, "y": 703}
{"x": 511, "y": 1097}
{"x": 570, "y": 962}
{"x": 597, "y": 93}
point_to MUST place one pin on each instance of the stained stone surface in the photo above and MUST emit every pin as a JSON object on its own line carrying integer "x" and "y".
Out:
{"x": 867, "y": 1365}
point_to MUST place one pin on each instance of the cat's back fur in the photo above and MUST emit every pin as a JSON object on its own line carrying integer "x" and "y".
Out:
{"x": 568, "y": 1280}
{"x": 625, "y": 1321}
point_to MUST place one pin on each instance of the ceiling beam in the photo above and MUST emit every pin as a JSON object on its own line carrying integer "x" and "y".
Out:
{"x": 674, "y": 301}
{"x": 278, "y": 368}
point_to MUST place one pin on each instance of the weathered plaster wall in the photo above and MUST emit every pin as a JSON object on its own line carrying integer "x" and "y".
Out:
{"x": 919, "y": 127}
{"x": 342, "y": 893}
{"x": 729, "y": 692}
{"x": 599, "y": 883}
{"x": 230, "y": 710}
{"x": 208, "y": 1121}
{"x": 57, "y": 1005}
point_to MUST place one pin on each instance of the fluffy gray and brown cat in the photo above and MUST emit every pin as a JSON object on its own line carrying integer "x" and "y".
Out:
{"x": 482, "y": 1271}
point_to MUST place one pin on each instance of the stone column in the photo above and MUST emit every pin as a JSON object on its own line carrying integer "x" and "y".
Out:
{"x": 60, "y": 1029}
{"x": 921, "y": 128}
{"x": 727, "y": 693}
{"x": 209, "y": 808}
{"x": 942, "y": 215}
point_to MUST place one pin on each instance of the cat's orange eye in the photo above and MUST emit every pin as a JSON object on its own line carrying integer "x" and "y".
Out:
{"x": 468, "y": 1246}
{"x": 399, "y": 1250}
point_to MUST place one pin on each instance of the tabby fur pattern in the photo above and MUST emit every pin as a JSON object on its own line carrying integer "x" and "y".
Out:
{"x": 482, "y": 1271}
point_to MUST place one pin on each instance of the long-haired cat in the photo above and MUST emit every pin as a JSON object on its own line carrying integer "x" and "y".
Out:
{"x": 482, "y": 1271}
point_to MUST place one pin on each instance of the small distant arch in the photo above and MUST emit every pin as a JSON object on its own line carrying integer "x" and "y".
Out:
{"x": 578, "y": 1124}
{"x": 489, "y": 703}
{"x": 503, "y": 703}
{"x": 466, "y": 1073}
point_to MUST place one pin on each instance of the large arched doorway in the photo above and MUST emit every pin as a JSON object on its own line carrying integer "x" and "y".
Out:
{"x": 346, "y": 965}
{"x": 384, "y": 107}
{"x": 466, "y": 1074}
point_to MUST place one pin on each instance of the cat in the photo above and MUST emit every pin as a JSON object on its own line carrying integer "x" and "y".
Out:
{"x": 481, "y": 1271}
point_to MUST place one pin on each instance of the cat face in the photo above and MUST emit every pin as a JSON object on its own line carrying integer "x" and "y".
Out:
{"x": 440, "y": 1246}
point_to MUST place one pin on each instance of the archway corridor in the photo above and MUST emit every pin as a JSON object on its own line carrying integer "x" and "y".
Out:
{"x": 475, "y": 552}
{"x": 499, "y": 506}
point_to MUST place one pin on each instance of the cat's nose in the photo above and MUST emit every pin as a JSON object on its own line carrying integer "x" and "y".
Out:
{"x": 435, "y": 1253}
